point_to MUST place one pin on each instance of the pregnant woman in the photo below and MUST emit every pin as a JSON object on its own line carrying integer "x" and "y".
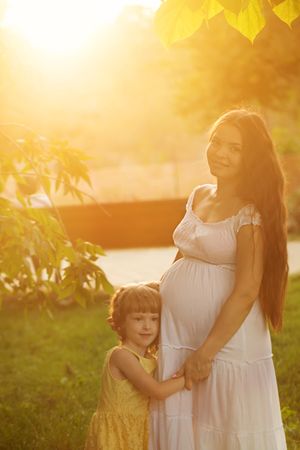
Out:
{"x": 225, "y": 287}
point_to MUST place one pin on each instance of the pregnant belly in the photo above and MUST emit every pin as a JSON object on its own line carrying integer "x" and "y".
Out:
{"x": 192, "y": 293}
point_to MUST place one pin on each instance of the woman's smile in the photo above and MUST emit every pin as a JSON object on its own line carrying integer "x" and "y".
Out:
{"x": 224, "y": 154}
{"x": 215, "y": 162}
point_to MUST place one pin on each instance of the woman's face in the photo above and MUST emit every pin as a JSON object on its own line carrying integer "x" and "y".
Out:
{"x": 224, "y": 152}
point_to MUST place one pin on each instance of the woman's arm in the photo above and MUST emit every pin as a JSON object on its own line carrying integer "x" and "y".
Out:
{"x": 130, "y": 367}
{"x": 249, "y": 272}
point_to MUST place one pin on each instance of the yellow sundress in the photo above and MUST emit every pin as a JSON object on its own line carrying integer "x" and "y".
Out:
{"x": 121, "y": 419}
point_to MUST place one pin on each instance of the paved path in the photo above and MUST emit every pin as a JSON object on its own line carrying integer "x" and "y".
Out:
{"x": 294, "y": 257}
{"x": 135, "y": 265}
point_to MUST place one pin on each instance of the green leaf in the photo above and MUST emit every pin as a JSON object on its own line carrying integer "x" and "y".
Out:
{"x": 107, "y": 286}
{"x": 21, "y": 199}
{"x": 50, "y": 271}
{"x": 211, "y": 8}
{"x": 288, "y": 11}
{"x": 235, "y": 6}
{"x": 99, "y": 250}
{"x": 82, "y": 295}
{"x": 81, "y": 245}
{"x": 66, "y": 291}
{"x": 68, "y": 252}
{"x": 46, "y": 184}
{"x": 193, "y": 4}
{"x": 175, "y": 20}
{"x": 97, "y": 282}
{"x": 85, "y": 176}
{"x": 275, "y": 2}
{"x": 2, "y": 183}
{"x": 58, "y": 182}
{"x": 4, "y": 203}
{"x": 248, "y": 22}
{"x": 77, "y": 193}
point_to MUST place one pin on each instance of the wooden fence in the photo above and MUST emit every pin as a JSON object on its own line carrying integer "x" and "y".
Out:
{"x": 125, "y": 225}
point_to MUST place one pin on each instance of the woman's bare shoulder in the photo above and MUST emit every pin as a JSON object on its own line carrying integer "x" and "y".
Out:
{"x": 203, "y": 191}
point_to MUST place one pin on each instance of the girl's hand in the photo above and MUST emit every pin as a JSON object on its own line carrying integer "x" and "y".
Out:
{"x": 197, "y": 367}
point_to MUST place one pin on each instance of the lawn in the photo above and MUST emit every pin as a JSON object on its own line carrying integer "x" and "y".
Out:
{"x": 50, "y": 374}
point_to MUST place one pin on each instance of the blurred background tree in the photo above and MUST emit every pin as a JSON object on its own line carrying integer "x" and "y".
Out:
{"x": 240, "y": 53}
{"x": 130, "y": 101}
{"x": 225, "y": 69}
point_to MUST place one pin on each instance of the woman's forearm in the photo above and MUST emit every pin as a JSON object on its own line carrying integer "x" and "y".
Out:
{"x": 231, "y": 317}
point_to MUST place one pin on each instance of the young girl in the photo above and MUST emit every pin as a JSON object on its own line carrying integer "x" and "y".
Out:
{"x": 121, "y": 419}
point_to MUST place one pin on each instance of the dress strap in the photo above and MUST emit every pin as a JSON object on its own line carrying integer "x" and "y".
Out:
{"x": 189, "y": 204}
{"x": 190, "y": 200}
{"x": 132, "y": 351}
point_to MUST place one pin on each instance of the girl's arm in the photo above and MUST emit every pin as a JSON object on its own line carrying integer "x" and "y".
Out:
{"x": 249, "y": 272}
{"x": 131, "y": 368}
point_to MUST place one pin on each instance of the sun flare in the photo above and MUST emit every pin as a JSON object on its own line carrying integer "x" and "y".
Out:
{"x": 63, "y": 26}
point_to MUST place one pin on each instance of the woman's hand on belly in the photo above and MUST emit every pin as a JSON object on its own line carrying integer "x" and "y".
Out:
{"x": 197, "y": 367}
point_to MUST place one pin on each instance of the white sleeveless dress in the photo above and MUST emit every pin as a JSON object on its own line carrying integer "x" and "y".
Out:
{"x": 237, "y": 407}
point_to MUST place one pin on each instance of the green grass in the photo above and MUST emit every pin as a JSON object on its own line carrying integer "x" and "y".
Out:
{"x": 294, "y": 237}
{"x": 287, "y": 364}
{"x": 50, "y": 374}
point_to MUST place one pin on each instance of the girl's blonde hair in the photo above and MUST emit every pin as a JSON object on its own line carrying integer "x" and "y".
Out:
{"x": 142, "y": 297}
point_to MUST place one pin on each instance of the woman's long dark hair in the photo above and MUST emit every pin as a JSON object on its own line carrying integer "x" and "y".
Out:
{"x": 262, "y": 183}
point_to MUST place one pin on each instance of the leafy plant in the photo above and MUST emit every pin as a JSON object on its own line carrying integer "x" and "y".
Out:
{"x": 178, "y": 19}
{"x": 38, "y": 261}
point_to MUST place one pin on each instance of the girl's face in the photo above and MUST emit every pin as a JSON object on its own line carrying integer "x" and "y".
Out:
{"x": 140, "y": 329}
{"x": 224, "y": 152}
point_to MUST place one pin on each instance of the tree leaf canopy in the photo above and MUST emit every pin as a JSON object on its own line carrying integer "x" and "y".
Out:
{"x": 178, "y": 19}
{"x": 288, "y": 11}
{"x": 249, "y": 21}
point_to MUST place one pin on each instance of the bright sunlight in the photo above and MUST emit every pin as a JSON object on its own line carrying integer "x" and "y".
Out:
{"x": 63, "y": 26}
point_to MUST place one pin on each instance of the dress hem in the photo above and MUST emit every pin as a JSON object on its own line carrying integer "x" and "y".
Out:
{"x": 241, "y": 433}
